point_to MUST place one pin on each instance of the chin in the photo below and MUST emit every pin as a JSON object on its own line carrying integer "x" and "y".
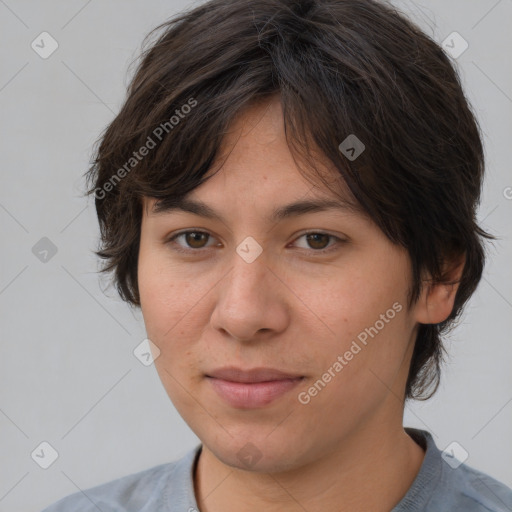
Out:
{"x": 257, "y": 453}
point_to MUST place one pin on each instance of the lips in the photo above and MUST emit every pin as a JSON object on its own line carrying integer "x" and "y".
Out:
{"x": 248, "y": 389}
{"x": 250, "y": 376}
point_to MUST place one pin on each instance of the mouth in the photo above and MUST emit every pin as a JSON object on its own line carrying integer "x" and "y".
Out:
{"x": 246, "y": 389}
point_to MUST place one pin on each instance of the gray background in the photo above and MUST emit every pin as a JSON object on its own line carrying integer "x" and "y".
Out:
{"x": 68, "y": 373}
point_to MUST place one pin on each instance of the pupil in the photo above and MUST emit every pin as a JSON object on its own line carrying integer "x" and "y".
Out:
{"x": 196, "y": 237}
{"x": 315, "y": 238}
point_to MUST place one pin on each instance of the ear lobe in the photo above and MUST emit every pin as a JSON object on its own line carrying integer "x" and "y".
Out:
{"x": 436, "y": 300}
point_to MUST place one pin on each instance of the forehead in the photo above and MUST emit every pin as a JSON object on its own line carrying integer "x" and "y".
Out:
{"x": 255, "y": 170}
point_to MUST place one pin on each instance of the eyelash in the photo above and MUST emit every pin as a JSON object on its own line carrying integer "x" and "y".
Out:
{"x": 178, "y": 248}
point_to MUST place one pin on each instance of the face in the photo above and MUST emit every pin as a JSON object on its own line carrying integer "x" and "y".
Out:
{"x": 324, "y": 301}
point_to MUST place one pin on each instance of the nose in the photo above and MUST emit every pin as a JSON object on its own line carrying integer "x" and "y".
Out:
{"x": 252, "y": 302}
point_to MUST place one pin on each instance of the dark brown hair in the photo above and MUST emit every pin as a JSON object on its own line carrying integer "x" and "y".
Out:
{"x": 341, "y": 67}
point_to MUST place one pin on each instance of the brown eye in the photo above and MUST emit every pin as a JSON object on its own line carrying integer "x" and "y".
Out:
{"x": 318, "y": 240}
{"x": 195, "y": 239}
{"x": 318, "y": 243}
{"x": 189, "y": 241}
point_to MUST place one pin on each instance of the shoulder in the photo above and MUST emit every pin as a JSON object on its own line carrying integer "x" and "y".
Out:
{"x": 445, "y": 484}
{"x": 471, "y": 490}
{"x": 131, "y": 492}
{"x": 146, "y": 491}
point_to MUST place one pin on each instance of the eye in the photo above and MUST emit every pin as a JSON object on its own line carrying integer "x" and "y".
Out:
{"x": 194, "y": 241}
{"x": 319, "y": 241}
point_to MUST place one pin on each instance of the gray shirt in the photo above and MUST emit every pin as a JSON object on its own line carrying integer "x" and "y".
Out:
{"x": 169, "y": 487}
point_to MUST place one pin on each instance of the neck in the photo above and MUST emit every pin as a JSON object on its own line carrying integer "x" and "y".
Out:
{"x": 371, "y": 470}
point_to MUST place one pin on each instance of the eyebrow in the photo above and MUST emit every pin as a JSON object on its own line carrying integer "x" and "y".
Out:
{"x": 295, "y": 209}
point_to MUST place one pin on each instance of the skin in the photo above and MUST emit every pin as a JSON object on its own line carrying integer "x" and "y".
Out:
{"x": 290, "y": 309}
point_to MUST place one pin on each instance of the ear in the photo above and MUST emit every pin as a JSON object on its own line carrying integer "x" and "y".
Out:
{"x": 436, "y": 299}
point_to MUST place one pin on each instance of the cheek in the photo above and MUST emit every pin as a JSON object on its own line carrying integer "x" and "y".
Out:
{"x": 170, "y": 310}
{"x": 354, "y": 378}
{"x": 352, "y": 302}
{"x": 175, "y": 309}
{"x": 160, "y": 296}
{"x": 164, "y": 292}
{"x": 364, "y": 321}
